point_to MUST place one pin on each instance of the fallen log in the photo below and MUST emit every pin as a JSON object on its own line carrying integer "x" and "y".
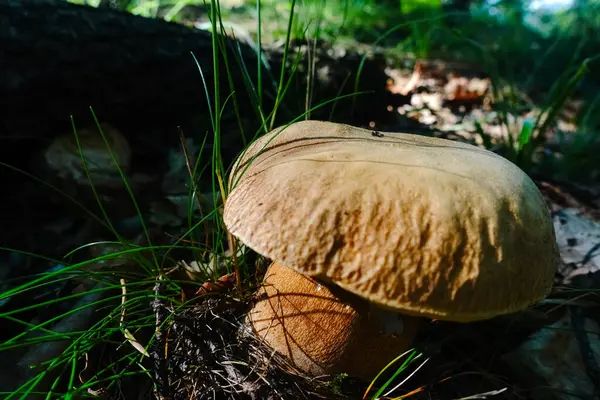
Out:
{"x": 58, "y": 59}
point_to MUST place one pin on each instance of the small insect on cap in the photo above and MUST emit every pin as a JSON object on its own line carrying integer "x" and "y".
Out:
{"x": 424, "y": 226}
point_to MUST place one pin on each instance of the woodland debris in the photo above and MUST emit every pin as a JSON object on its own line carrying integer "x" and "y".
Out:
{"x": 578, "y": 240}
{"x": 561, "y": 358}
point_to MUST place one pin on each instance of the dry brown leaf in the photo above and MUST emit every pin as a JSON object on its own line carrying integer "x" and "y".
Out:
{"x": 578, "y": 239}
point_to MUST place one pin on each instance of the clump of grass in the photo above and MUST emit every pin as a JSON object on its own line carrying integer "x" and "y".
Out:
{"x": 526, "y": 147}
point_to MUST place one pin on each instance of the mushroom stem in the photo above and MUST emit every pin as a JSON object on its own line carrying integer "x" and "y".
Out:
{"x": 323, "y": 329}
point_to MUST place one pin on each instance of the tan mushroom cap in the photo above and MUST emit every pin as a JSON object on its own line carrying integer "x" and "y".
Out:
{"x": 424, "y": 226}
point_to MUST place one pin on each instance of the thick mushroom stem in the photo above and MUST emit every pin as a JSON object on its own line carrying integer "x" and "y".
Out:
{"x": 323, "y": 329}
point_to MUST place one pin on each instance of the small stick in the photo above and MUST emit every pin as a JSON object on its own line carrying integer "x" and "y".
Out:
{"x": 128, "y": 335}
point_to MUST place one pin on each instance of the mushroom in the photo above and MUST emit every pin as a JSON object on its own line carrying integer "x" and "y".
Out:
{"x": 323, "y": 329}
{"x": 361, "y": 223}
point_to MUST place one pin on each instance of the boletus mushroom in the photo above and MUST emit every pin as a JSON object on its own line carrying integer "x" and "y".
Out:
{"x": 372, "y": 232}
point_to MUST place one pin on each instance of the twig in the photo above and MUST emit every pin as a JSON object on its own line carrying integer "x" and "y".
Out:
{"x": 128, "y": 335}
{"x": 484, "y": 395}
{"x": 159, "y": 358}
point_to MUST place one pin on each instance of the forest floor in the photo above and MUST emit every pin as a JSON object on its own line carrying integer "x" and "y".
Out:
{"x": 549, "y": 351}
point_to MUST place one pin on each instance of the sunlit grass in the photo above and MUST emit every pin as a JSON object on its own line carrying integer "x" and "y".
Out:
{"x": 410, "y": 357}
{"x": 525, "y": 147}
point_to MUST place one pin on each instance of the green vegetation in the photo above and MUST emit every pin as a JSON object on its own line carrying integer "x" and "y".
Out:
{"x": 551, "y": 63}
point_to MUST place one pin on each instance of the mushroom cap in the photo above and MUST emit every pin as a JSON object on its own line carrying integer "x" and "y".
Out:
{"x": 424, "y": 226}
{"x": 323, "y": 329}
